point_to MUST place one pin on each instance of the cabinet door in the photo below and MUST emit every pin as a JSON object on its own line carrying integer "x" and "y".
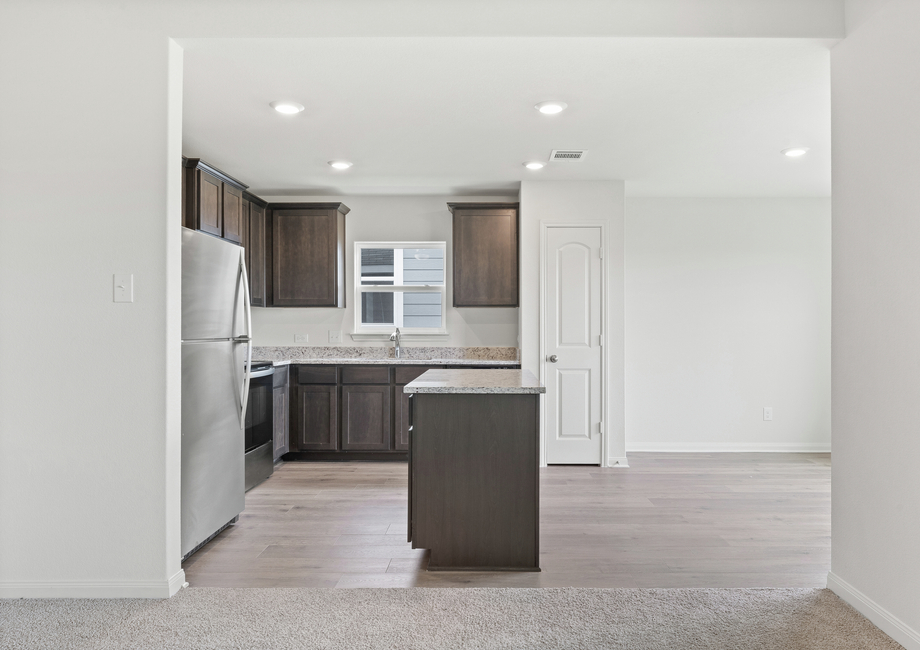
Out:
{"x": 485, "y": 258}
{"x": 402, "y": 419}
{"x": 366, "y": 417}
{"x": 256, "y": 254}
{"x": 244, "y": 236}
{"x": 279, "y": 422}
{"x": 233, "y": 214}
{"x": 209, "y": 200}
{"x": 306, "y": 247}
{"x": 317, "y": 418}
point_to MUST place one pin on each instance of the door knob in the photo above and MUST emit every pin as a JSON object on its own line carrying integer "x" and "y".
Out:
{"x": 552, "y": 358}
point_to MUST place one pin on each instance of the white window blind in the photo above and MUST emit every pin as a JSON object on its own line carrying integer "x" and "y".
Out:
{"x": 400, "y": 284}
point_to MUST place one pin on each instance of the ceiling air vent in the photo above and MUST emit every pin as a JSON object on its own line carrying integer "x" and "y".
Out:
{"x": 568, "y": 154}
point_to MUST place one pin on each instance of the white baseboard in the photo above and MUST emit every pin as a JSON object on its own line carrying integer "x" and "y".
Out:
{"x": 144, "y": 589}
{"x": 882, "y": 618}
{"x": 721, "y": 447}
{"x": 176, "y": 583}
{"x": 617, "y": 461}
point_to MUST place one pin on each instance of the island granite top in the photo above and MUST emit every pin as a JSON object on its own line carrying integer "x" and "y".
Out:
{"x": 476, "y": 381}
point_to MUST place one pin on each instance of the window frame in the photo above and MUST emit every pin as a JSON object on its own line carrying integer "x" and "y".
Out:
{"x": 385, "y": 330}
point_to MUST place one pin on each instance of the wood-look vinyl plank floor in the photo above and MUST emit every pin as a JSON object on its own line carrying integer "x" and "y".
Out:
{"x": 669, "y": 520}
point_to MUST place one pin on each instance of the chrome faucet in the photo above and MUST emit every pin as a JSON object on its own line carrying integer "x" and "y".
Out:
{"x": 395, "y": 337}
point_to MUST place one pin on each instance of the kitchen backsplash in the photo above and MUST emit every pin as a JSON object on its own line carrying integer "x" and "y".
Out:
{"x": 283, "y": 353}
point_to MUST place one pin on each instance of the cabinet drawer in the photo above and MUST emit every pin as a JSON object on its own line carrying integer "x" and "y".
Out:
{"x": 365, "y": 375}
{"x": 405, "y": 374}
{"x": 316, "y": 374}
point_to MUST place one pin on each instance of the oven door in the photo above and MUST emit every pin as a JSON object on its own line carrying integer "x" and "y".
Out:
{"x": 259, "y": 428}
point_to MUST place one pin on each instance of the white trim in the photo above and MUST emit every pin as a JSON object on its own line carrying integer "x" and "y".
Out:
{"x": 544, "y": 225}
{"x": 618, "y": 462}
{"x": 177, "y": 582}
{"x": 143, "y": 589}
{"x": 728, "y": 447}
{"x": 881, "y": 617}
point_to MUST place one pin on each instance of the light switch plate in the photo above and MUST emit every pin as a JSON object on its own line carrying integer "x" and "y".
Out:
{"x": 301, "y": 338}
{"x": 335, "y": 336}
{"x": 123, "y": 287}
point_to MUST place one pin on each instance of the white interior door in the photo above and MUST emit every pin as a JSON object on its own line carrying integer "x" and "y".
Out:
{"x": 572, "y": 345}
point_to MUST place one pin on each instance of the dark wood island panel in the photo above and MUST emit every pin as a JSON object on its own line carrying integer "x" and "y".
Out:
{"x": 474, "y": 488}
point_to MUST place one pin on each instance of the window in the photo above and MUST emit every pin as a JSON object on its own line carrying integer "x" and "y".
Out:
{"x": 399, "y": 284}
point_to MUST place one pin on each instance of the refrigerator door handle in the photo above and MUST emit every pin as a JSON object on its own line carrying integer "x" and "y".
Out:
{"x": 247, "y": 298}
{"x": 247, "y": 308}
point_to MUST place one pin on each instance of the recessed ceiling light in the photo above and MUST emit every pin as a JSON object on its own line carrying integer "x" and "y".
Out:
{"x": 795, "y": 152}
{"x": 340, "y": 164}
{"x": 534, "y": 165}
{"x": 551, "y": 108}
{"x": 288, "y": 108}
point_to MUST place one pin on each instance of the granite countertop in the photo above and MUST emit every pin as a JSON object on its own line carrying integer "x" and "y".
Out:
{"x": 396, "y": 362}
{"x": 476, "y": 381}
{"x": 382, "y": 355}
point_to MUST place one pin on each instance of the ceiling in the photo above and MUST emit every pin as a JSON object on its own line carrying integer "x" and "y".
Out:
{"x": 670, "y": 116}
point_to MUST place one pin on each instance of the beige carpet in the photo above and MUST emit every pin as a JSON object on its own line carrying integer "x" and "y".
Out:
{"x": 637, "y": 619}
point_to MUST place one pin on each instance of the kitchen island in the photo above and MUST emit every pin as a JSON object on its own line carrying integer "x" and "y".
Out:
{"x": 474, "y": 442}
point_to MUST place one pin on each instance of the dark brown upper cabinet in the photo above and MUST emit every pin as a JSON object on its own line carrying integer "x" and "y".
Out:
{"x": 485, "y": 254}
{"x": 213, "y": 200}
{"x": 308, "y": 254}
{"x": 245, "y": 234}
{"x": 254, "y": 225}
{"x": 233, "y": 214}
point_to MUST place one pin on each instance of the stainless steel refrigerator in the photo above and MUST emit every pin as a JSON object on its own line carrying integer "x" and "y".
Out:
{"x": 216, "y": 355}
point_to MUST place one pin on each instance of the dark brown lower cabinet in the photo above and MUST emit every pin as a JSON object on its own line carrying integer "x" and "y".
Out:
{"x": 351, "y": 411}
{"x": 405, "y": 374}
{"x": 316, "y": 421}
{"x": 366, "y": 417}
{"x": 280, "y": 410}
{"x": 279, "y": 421}
{"x": 402, "y": 420}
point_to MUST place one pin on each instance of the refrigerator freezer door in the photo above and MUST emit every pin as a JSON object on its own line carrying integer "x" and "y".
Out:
{"x": 212, "y": 438}
{"x": 213, "y": 296}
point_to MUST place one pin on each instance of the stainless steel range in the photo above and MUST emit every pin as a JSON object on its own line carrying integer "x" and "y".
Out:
{"x": 259, "y": 460}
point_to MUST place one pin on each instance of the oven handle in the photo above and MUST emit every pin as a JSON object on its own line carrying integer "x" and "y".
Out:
{"x": 261, "y": 373}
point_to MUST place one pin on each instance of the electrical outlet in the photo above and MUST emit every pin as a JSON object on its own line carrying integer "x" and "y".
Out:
{"x": 335, "y": 336}
{"x": 301, "y": 338}
{"x": 767, "y": 413}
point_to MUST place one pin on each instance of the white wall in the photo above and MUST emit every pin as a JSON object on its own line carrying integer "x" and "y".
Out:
{"x": 577, "y": 202}
{"x": 390, "y": 218}
{"x": 90, "y": 138}
{"x": 728, "y": 311}
{"x": 875, "y": 564}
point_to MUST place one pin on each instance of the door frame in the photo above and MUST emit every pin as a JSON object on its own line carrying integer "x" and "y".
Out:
{"x": 544, "y": 227}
